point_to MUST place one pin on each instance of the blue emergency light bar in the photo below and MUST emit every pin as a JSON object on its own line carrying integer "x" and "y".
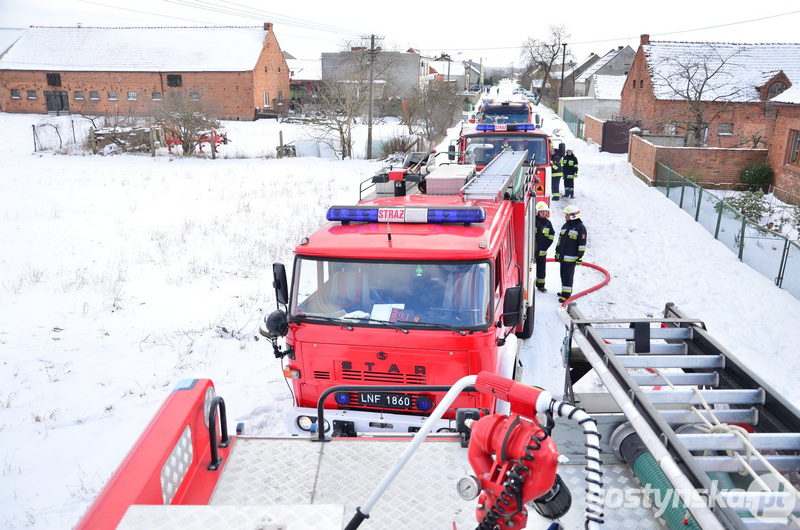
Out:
{"x": 509, "y": 127}
{"x": 375, "y": 214}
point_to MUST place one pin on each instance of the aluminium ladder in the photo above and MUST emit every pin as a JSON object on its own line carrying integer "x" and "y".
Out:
{"x": 688, "y": 398}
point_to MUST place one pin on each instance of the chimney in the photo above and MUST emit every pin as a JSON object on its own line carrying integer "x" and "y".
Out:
{"x": 645, "y": 39}
{"x": 267, "y": 26}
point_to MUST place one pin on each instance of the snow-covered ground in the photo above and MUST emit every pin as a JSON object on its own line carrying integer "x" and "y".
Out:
{"x": 122, "y": 275}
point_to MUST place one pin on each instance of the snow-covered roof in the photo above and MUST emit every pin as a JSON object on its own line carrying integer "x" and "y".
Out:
{"x": 742, "y": 67}
{"x": 457, "y": 68}
{"x": 609, "y": 86}
{"x": 305, "y": 69}
{"x": 137, "y": 49}
{"x": 9, "y": 36}
{"x": 790, "y": 95}
{"x": 604, "y": 60}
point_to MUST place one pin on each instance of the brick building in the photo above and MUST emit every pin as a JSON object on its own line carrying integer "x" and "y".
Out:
{"x": 236, "y": 73}
{"x": 735, "y": 99}
{"x": 784, "y": 144}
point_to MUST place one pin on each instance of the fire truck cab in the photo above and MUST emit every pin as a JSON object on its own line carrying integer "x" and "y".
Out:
{"x": 408, "y": 290}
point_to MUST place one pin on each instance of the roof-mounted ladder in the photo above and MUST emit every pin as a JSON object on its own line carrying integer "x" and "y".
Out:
{"x": 497, "y": 177}
{"x": 683, "y": 393}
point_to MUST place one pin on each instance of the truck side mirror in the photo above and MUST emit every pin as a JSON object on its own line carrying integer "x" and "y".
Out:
{"x": 279, "y": 283}
{"x": 513, "y": 306}
{"x": 562, "y": 149}
{"x": 451, "y": 152}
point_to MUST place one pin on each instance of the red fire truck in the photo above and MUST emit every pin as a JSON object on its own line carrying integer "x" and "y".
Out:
{"x": 408, "y": 290}
{"x": 517, "y": 130}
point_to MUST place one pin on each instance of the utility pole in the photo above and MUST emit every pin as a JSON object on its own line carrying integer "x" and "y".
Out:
{"x": 563, "y": 60}
{"x": 371, "y": 58}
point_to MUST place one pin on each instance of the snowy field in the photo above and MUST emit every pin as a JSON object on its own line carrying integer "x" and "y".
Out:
{"x": 122, "y": 275}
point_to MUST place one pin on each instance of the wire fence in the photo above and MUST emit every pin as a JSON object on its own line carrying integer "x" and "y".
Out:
{"x": 770, "y": 253}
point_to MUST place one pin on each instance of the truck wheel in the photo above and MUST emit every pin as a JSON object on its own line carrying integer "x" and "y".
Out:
{"x": 527, "y": 329}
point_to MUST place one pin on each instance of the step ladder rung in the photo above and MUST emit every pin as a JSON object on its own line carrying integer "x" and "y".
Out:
{"x": 730, "y": 464}
{"x": 732, "y": 442}
{"x": 672, "y": 361}
{"x": 683, "y": 416}
{"x": 655, "y": 349}
{"x": 679, "y": 379}
{"x": 655, "y": 333}
{"x": 712, "y": 397}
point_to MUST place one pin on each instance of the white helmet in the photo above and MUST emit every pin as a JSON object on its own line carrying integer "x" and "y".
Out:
{"x": 572, "y": 212}
{"x": 541, "y": 206}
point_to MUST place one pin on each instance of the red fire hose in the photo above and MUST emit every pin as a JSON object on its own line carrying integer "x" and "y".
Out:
{"x": 590, "y": 289}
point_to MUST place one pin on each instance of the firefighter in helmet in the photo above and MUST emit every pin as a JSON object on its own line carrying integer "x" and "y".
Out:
{"x": 570, "y": 248}
{"x": 557, "y": 167}
{"x": 544, "y": 238}
{"x": 570, "y": 164}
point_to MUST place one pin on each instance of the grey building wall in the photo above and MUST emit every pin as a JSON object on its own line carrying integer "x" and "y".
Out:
{"x": 402, "y": 72}
{"x": 604, "y": 109}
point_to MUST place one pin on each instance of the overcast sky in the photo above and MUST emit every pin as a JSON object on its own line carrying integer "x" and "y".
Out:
{"x": 491, "y": 34}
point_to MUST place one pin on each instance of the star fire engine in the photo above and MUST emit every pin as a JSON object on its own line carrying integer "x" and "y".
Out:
{"x": 409, "y": 290}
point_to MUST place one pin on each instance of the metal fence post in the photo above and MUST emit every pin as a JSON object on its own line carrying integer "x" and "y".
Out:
{"x": 683, "y": 191}
{"x": 699, "y": 203}
{"x": 669, "y": 179}
{"x": 741, "y": 237}
{"x": 719, "y": 218}
{"x": 784, "y": 259}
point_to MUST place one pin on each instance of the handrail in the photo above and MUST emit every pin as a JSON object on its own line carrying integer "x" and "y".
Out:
{"x": 216, "y": 460}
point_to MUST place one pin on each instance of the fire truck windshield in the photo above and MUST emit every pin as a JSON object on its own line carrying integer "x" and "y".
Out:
{"x": 414, "y": 294}
{"x": 506, "y": 116}
{"x": 484, "y": 147}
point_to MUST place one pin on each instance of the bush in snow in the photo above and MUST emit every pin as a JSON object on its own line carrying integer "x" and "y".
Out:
{"x": 758, "y": 176}
{"x": 752, "y": 204}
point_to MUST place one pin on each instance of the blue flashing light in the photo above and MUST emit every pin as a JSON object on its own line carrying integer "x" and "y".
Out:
{"x": 526, "y": 127}
{"x": 508, "y": 128}
{"x": 424, "y": 403}
{"x": 341, "y": 398}
{"x": 457, "y": 215}
{"x": 352, "y": 214}
{"x": 484, "y": 127}
{"x": 366, "y": 214}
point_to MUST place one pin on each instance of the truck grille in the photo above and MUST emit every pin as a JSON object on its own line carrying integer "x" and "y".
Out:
{"x": 322, "y": 375}
{"x": 384, "y": 377}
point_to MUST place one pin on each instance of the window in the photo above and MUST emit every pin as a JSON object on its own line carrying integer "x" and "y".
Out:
{"x": 279, "y": 69}
{"x": 725, "y": 129}
{"x": 265, "y": 69}
{"x": 94, "y": 95}
{"x": 174, "y": 80}
{"x": 14, "y": 93}
{"x": 54, "y": 79}
{"x": 112, "y": 96}
{"x": 280, "y": 97}
{"x": 31, "y": 94}
{"x": 670, "y": 128}
{"x": 156, "y": 96}
{"x": 641, "y": 83}
{"x": 794, "y": 149}
{"x": 266, "y": 99}
{"x": 634, "y": 84}
{"x": 132, "y": 96}
{"x": 194, "y": 96}
{"x": 78, "y": 95}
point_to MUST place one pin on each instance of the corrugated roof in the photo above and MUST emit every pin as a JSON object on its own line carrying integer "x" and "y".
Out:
{"x": 609, "y": 86}
{"x": 737, "y": 68}
{"x": 137, "y": 49}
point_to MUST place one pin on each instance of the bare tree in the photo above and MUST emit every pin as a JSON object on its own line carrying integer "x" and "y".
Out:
{"x": 185, "y": 117}
{"x": 432, "y": 110}
{"x": 707, "y": 85}
{"x": 343, "y": 98}
{"x": 539, "y": 56}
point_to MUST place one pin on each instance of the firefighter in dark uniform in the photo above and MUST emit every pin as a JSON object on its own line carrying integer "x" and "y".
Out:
{"x": 570, "y": 248}
{"x": 556, "y": 165}
{"x": 544, "y": 238}
{"x": 570, "y": 164}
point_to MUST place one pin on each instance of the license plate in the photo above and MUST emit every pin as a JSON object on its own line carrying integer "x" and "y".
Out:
{"x": 385, "y": 400}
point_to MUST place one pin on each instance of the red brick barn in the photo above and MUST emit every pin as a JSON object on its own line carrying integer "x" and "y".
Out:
{"x": 236, "y": 73}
